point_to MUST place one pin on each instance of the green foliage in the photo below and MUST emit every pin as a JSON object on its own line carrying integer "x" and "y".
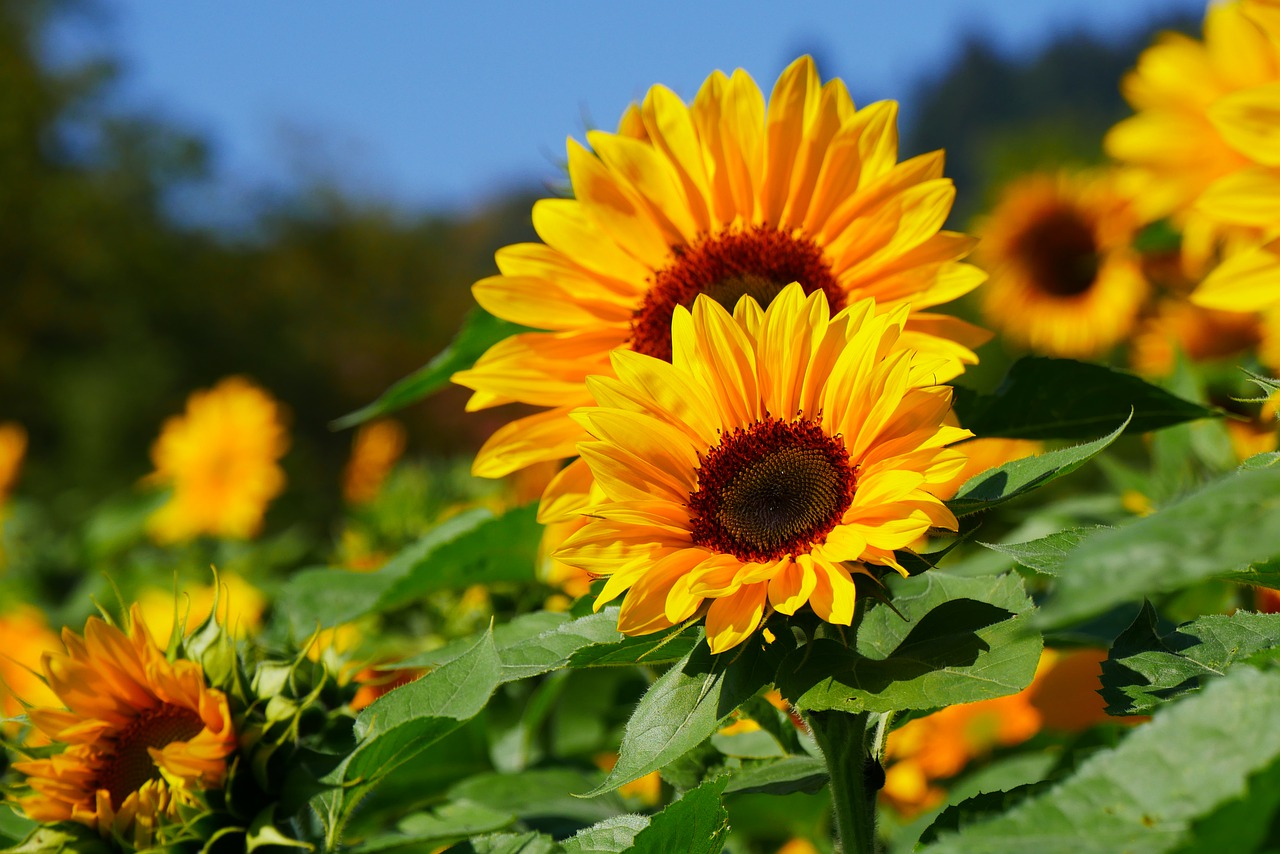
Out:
{"x": 957, "y": 640}
{"x": 1146, "y": 667}
{"x": 697, "y": 823}
{"x": 1044, "y": 398}
{"x": 1013, "y": 479}
{"x": 1193, "y": 758}
{"x": 1228, "y": 525}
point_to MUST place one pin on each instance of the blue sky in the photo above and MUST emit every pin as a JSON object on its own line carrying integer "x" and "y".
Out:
{"x": 446, "y": 103}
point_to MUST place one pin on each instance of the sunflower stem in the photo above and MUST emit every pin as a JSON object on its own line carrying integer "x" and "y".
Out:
{"x": 846, "y": 744}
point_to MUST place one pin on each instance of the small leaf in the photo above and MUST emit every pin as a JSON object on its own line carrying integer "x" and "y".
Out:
{"x": 1043, "y": 398}
{"x": 963, "y": 639}
{"x": 480, "y": 331}
{"x": 1018, "y": 477}
{"x": 1143, "y": 795}
{"x": 780, "y": 777}
{"x": 1146, "y": 668}
{"x": 539, "y": 793}
{"x": 514, "y": 843}
{"x": 450, "y": 822}
{"x": 1046, "y": 554}
{"x": 1231, "y": 524}
{"x": 611, "y": 836}
{"x": 696, "y": 824}
{"x": 685, "y": 706}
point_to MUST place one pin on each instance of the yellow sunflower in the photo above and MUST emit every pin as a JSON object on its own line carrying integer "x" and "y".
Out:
{"x": 1177, "y": 326}
{"x": 1203, "y": 148}
{"x": 1064, "y": 280}
{"x": 727, "y": 196}
{"x": 221, "y": 459}
{"x": 142, "y": 734}
{"x": 13, "y": 446}
{"x": 775, "y": 453}
{"x": 24, "y": 638}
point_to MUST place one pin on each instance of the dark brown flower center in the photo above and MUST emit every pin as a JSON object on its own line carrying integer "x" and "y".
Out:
{"x": 757, "y": 262}
{"x": 1060, "y": 253}
{"x": 129, "y": 765}
{"x": 772, "y": 489}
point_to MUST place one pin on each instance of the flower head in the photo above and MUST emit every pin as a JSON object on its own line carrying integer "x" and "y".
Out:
{"x": 1064, "y": 280}
{"x": 725, "y": 197}
{"x": 776, "y": 453}
{"x": 374, "y": 451}
{"x": 142, "y": 734}
{"x": 1202, "y": 148}
{"x": 24, "y": 637}
{"x": 221, "y": 459}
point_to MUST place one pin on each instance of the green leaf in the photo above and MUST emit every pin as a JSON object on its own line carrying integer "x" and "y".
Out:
{"x": 611, "y": 836}
{"x": 1044, "y": 398}
{"x": 505, "y": 636}
{"x": 780, "y": 777}
{"x": 685, "y": 706}
{"x": 263, "y": 833}
{"x": 1046, "y": 554}
{"x": 449, "y": 823}
{"x": 540, "y": 793}
{"x": 1144, "y": 794}
{"x": 514, "y": 843}
{"x": 696, "y": 824}
{"x": 1246, "y": 824}
{"x": 963, "y": 639}
{"x": 1021, "y": 476}
{"x": 1146, "y": 668}
{"x": 1230, "y": 524}
{"x": 497, "y": 550}
{"x": 474, "y": 547}
{"x": 400, "y": 725}
{"x": 652, "y": 649}
{"x": 13, "y": 826}
{"x": 62, "y": 838}
{"x": 480, "y": 331}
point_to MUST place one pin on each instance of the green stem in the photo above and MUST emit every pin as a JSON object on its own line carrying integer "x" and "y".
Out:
{"x": 846, "y": 746}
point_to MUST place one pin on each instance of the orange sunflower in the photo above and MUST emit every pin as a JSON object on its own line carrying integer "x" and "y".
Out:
{"x": 143, "y": 734}
{"x": 728, "y": 197}
{"x": 777, "y": 451}
{"x": 1064, "y": 279}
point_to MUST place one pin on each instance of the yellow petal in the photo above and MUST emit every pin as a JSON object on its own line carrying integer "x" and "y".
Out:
{"x": 731, "y": 620}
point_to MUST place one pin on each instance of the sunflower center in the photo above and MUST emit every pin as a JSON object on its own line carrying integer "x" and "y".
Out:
{"x": 130, "y": 765}
{"x": 756, "y": 262}
{"x": 772, "y": 489}
{"x": 1060, "y": 253}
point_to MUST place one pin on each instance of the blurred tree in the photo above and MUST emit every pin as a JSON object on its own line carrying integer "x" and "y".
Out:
{"x": 998, "y": 115}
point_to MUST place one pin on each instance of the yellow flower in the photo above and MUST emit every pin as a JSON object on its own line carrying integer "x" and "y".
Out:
{"x": 220, "y": 458}
{"x": 777, "y": 450}
{"x": 13, "y": 446}
{"x": 142, "y": 734}
{"x": 24, "y": 638}
{"x": 1203, "y": 148}
{"x": 374, "y": 451}
{"x": 1064, "y": 280}
{"x": 240, "y": 606}
{"x": 726, "y": 197}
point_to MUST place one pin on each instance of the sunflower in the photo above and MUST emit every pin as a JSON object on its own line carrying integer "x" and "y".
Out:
{"x": 728, "y": 197}
{"x": 220, "y": 457}
{"x": 142, "y": 734}
{"x": 374, "y": 451}
{"x": 777, "y": 451}
{"x": 1201, "y": 113}
{"x": 1064, "y": 280}
{"x": 1202, "y": 148}
{"x": 13, "y": 446}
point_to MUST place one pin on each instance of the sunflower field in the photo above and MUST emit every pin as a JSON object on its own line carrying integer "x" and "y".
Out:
{"x": 820, "y": 500}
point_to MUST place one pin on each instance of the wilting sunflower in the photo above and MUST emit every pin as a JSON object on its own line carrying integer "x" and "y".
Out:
{"x": 221, "y": 459}
{"x": 727, "y": 196}
{"x": 1064, "y": 280}
{"x": 142, "y": 734}
{"x": 775, "y": 452}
